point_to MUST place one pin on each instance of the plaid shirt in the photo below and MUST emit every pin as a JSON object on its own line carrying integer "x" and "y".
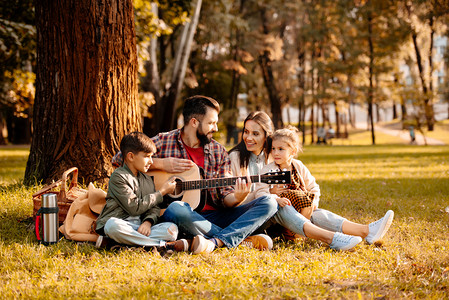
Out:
{"x": 297, "y": 194}
{"x": 216, "y": 160}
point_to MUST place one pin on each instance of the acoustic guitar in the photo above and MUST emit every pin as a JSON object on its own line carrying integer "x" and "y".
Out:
{"x": 189, "y": 183}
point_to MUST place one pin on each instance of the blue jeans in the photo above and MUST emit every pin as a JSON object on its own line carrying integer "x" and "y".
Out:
{"x": 125, "y": 232}
{"x": 291, "y": 219}
{"x": 230, "y": 225}
{"x": 327, "y": 220}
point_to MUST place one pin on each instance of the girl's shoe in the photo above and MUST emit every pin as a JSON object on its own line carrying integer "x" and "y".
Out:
{"x": 344, "y": 242}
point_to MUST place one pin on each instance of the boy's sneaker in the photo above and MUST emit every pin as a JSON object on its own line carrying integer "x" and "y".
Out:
{"x": 102, "y": 242}
{"x": 181, "y": 245}
{"x": 201, "y": 245}
{"x": 260, "y": 241}
{"x": 378, "y": 228}
{"x": 344, "y": 242}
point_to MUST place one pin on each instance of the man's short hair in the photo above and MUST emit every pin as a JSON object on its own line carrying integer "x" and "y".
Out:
{"x": 135, "y": 142}
{"x": 196, "y": 106}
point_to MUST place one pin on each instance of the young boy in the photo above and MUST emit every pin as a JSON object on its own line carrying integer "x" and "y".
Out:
{"x": 132, "y": 210}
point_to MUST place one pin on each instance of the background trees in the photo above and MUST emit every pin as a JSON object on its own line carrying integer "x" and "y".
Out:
{"x": 318, "y": 59}
{"x": 17, "y": 61}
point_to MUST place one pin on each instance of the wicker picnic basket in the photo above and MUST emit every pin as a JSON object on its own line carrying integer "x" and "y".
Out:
{"x": 66, "y": 193}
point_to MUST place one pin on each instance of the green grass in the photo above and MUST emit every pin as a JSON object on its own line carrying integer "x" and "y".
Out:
{"x": 358, "y": 182}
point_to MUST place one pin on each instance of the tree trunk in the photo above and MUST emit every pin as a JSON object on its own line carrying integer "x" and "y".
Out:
{"x": 273, "y": 93}
{"x": 268, "y": 77}
{"x": 18, "y": 129}
{"x": 230, "y": 107}
{"x": 428, "y": 106}
{"x": 312, "y": 106}
{"x": 3, "y": 129}
{"x": 151, "y": 83}
{"x": 86, "y": 87}
{"x": 164, "y": 110}
{"x": 337, "y": 121}
{"x": 301, "y": 84}
{"x": 371, "y": 71}
{"x": 170, "y": 102}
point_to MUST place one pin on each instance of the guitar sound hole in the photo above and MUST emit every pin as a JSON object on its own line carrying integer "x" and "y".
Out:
{"x": 178, "y": 188}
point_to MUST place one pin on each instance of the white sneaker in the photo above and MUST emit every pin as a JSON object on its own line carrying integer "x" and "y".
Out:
{"x": 343, "y": 242}
{"x": 378, "y": 228}
{"x": 202, "y": 245}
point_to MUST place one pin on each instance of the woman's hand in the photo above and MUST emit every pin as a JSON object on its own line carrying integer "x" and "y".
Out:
{"x": 145, "y": 228}
{"x": 283, "y": 202}
{"x": 277, "y": 189}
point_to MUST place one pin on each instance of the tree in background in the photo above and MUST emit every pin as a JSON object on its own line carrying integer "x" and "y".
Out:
{"x": 166, "y": 81}
{"x": 86, "y": 87}
{"x": 17, "y": 62}
{"x": 426, "y": 19}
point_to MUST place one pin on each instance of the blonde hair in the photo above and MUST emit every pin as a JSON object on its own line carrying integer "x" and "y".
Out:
{"x": 290, "y": 135}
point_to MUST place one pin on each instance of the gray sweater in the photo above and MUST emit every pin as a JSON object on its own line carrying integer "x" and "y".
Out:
{"x": 130, "y": 195}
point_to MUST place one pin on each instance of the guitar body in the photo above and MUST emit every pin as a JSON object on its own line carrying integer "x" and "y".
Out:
{"x": 192, "y": 197}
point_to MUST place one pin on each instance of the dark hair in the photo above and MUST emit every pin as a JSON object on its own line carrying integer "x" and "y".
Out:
{"x": 135, "y": 142}
{"x": 265, "y": 122}
{"x": 289, "y": 135}
{"x": 196, "y": 106}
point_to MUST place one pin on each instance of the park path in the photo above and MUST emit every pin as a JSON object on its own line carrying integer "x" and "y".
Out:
{"x": 405, "y": 135}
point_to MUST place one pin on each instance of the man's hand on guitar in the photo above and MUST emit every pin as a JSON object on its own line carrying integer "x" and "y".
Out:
{"x": 176, "y": 165}
{"x": 168, "y": 187}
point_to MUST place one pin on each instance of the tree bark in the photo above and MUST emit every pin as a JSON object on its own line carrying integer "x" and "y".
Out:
{"x": 337, "y": 120}
{"x": 428, "y": 106}
{"x": 3, "y": 129}
{"x": 151, "y": 83}
{"x": 301, "y": 85}
{"x": 273, "y": 94}
{"x": 371, "y": 71}
{"x": 170, "y": 101}
{"x": 268, "y": 78}
{"x": 86, "y": 87}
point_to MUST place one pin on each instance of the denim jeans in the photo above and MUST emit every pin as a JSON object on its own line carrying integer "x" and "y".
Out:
{"x": 230, "y": 225}
{"x": 327, "y": 220}
{"x": 291, "y": 219}
{"x": 125, "y": 232}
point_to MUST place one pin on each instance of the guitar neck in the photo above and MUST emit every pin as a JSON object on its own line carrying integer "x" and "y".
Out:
{"x": 214, "y": 183}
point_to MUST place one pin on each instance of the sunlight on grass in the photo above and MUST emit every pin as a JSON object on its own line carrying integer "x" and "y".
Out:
{"x": 358, "y": 182}
{"x": 440, "y": 132}
{"x": 13, "y": 163}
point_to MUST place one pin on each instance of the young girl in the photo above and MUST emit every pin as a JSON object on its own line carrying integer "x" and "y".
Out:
{"x": 303, "y": 195}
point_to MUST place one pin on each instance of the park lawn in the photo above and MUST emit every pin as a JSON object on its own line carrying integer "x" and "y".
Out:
{"x": 440, "y": 132}
{"x": 358, "y": 182}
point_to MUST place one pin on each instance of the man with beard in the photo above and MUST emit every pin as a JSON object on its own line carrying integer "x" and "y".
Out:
{"x": 222, "y": 221}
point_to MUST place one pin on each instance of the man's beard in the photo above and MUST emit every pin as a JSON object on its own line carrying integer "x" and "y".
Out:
{"x": 204, "y": 140}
